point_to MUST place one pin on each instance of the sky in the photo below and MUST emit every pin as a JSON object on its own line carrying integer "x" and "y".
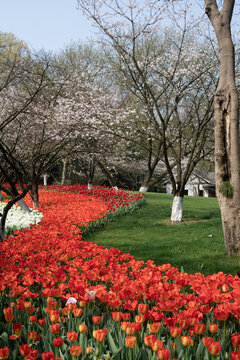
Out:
{"x": 47, "y": 24}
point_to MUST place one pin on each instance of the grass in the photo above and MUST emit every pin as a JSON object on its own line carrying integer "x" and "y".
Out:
{"x": 195, "y": 245}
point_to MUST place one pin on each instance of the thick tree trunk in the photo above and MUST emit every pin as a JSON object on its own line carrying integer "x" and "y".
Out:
{"x": 226, "y": 113}
{"x": 177, "y": 207}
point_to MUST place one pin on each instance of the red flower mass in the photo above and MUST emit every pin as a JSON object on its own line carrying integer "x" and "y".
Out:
{"x": 50, "y": 263}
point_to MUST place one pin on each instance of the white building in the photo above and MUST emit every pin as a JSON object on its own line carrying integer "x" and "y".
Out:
{"x": 197, "y": 186}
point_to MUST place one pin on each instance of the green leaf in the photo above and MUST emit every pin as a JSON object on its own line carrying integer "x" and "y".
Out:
{"x": 4, "y": 337}
{"x": 200, "y": 351}
{"x": 112, "y": 345}
{"x": 144, "y": 355}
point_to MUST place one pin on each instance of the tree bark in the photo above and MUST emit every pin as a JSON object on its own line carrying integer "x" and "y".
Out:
{"x": 177, "y": 206}
{"x": 35, "y": 195}
{"x": 226, "y": 114}
{"x": 64, "y": 170}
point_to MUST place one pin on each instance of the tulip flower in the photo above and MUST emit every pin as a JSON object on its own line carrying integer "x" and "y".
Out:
{"x": 149, "y": 340}
{"x": 82, "y": 328}
{"x": 17, "y": 328}
{"x": 96, "y": 320}
{"x": 46, "y": 355}
{"x": 186, "y": 340}
{"x": 24, "y": 350}
{"x": 42, "y": 322}
{"x": 4, "y": 352}
{"x": 213, "y": 328}
{"x": 57, "y": 342}
{"x": 100, "y": 334}
{"x": 88, "y": 350}
{"x": 130, "y": 341}
{"x": 235, "y": 355}
{"x": 55, "y": 328}
{"x": 235, "y": 339}
{"x": 214, "y": 348}
{"x": 199, "y": 328}
{"x": 164, "y": 354}
{"x": 116, "y": 316}
{"x": 8, "y": 314}
{"x": 33, "y": 336}
{"x": 72, "y": 336}
{"x": 75, "y": 350}
{"x": 175, "y": 331}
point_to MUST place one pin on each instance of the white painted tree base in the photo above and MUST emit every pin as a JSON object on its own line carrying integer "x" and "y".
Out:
{"x": 89, "y": 186}
{"x": 143, "y": 189}
{"x": 23, "y": 205}
{"x": 115, "y": 187}
{"x": 177, "y": 207}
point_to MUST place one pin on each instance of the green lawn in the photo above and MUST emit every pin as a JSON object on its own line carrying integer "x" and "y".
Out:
{"x": 195, "y": 245}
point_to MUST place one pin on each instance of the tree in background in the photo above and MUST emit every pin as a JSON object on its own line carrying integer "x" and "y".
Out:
{"x": 165, "y": 69}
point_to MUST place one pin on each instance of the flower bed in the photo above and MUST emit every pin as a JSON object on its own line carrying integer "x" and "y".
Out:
{"x": 62, "y": 297}
{"x": 19, "y": 219}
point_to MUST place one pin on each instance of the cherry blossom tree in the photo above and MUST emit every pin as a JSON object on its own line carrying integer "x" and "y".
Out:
{"x": 165, "y": 68}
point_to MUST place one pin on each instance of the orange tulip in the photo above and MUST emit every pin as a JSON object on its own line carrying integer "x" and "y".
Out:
{"x": 130, "y": 341}
{"x": 175, "y": 331}
{"x": 72, "y": 336}
{"x": 199, "y": 328}
{"x": 154, "y": 328}
{"x": 55, "y": 328}
{"x": 116, "y": 316}
{"x": 186, "y": 340}
{"x": 75, "y": 350}
{"x": 214, "y": 348}
{"x": 82, "y": 328}
{"x": 213, "y": 328}
{"x": 163, "y": 354}
{"x": 100, "y": 334}
{"x": 8, "y": 314}
{"x": 96, "y": 320}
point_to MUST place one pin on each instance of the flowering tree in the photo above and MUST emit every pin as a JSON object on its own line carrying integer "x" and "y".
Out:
{"x": 166, "y": 71}
{"x": 92, "y": 104}
{"x": 33, "y": 137}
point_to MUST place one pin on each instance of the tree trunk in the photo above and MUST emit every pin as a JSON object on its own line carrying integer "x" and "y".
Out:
{"x": 103, "y": 167}
{"x": 23, "y": 205}
{"x": 144, "y": 188}
{"x": 177, "y": 206}
{"x": 45, "y": 176}
{"x": 35, "y": 195}
{"x": 64, "y": 170}
{"x": 226, "y": 113}
{"x": 18, "y": 198}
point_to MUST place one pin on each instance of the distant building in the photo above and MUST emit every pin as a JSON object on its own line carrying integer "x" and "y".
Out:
{"x": 197, "y": 185}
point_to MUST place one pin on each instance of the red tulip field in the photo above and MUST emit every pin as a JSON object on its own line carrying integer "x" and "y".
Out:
{"x": 62, "y": 297}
